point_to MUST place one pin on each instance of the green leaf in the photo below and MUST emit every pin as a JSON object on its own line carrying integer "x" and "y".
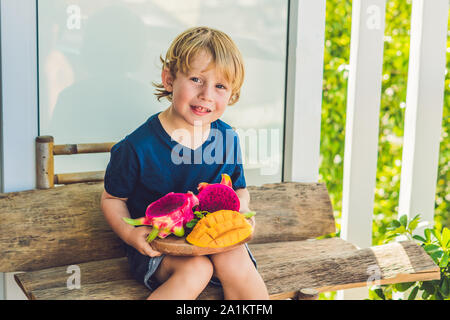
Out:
{"x": 249, "y": 214}
{"x": 394, "y": 225}
{"x": 430, "y": 248}
{"x": 191, "y": 223}
{"x": 427, "y": 233}
{"x": 444, "y": 260}
{"x": 435, "y": 256}
{"x": 201, "y": 214}
{"x": 404, "y": 220}
{"x": 399, "y": 231}
{"x": 445, "y": 238}
{"x": 413, "y": 293}
{"x": 380, "y": 293}
{"x": 439, "y": 296}
{"x": 428, "y": 287}
{"x": 417, "y": 217}
{"x": 445, "y": 287}
{"x": 419, "y": 238}
{"x": 436, "y": 283}
{"x": 437, "y": 235}
{"x": 413, "y": 223}
{"x": 402, "y": 287}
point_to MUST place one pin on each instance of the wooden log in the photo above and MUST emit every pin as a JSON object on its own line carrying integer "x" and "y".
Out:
{"x": 54, "y": 227}
{"x": 66, "y": 149}
{"x": 90, "y": 273}
{"x": 44, "y": 162}
{"x": 335, "y": 266}
{"x": 64, "y": 225}
{"x": 286, "y": 267}
{"x": 336, "y": 270}
{"x": 298, "y": 211}
{"x": 77, "y": 177}
{"x": 127, "y": 289}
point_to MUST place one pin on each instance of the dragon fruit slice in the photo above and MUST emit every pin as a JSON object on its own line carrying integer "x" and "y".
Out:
{"x": 167, "y": 215}
{"x": 218, "y": 196}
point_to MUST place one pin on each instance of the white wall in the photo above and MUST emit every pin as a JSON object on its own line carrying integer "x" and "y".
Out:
{"x": 19, "y": 124}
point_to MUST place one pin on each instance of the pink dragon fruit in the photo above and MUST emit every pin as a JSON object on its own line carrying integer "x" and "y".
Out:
{"x": 218, "y": 196}
{"x": 167, "y": 215}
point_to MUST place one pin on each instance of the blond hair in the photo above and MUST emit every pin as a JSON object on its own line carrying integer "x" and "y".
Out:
{"x": 224, "y": 52}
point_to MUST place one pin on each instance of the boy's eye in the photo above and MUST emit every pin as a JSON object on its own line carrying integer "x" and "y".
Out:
{"x": 221, "y": 86}
{"x": 195, "y": 79}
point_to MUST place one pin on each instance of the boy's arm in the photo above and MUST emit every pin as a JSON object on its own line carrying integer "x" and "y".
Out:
{"x": 244, "y": 198}
{"x": 114, "y": 209}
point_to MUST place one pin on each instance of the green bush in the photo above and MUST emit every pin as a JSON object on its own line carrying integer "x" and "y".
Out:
{"x": 392, "y": 109}
{"x": 393, "y": 97}
{"x": 436, "y": 243}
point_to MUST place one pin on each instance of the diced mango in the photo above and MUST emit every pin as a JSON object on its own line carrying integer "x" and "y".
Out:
{"x": 220, "y": 229}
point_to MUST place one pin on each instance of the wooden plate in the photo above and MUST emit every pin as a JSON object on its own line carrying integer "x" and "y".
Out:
{"x": 178, "y": 246}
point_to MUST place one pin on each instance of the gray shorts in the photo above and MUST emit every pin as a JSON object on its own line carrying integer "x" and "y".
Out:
{"x": 143, "y": 267}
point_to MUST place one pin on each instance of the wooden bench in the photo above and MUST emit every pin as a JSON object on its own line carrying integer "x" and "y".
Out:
{"x": 45, "y": 231}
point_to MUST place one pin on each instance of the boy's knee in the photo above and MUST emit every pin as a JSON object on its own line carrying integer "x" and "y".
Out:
{"x": 199, "y": 265}
{"x": 230, "y": 266}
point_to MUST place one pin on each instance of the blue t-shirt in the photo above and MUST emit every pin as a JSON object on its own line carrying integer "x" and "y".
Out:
{"x": 147, "y": 164}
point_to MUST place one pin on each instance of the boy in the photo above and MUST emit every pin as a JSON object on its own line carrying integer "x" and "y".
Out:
{"x": 202, "y": 73}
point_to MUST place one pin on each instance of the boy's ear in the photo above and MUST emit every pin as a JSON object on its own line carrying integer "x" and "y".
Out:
{"x": 167, "y": 79}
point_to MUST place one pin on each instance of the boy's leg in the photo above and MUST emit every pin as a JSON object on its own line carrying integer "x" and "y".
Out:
{"x": 182, "y": 278}
{"x": 238, "y": 275}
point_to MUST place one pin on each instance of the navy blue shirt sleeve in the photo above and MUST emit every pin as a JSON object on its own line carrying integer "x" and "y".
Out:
{"x": 122, "y": 171}
{"x": 238, "y": 178}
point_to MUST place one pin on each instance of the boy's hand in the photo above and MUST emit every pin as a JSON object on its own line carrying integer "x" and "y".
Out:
{"x": 245, "y": 210}
{"x": 252, "y": 221}
{"x": 137, "y": 239}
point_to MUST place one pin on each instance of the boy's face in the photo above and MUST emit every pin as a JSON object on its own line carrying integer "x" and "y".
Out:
{"x": 201, "y": 95}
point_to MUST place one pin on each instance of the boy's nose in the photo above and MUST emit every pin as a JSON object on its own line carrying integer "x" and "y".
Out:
{"x": 207, "y": 93}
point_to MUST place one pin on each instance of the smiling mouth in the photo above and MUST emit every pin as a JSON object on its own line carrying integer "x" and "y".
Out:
{"x": 201, "y": 109}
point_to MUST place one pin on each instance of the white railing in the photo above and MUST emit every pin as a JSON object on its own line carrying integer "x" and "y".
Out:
{"x": 423, "y": 115}
{"x": 361, "y": 133}
{"x": 304, "y": 90}
{"x": 423, "y": 111}
{"x": 424, "y": 107}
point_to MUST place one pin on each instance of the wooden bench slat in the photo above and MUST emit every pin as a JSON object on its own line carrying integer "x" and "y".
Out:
{"x": 64, "y": 225}
{"x": 127, "y": 289}
{"x": 67, "y": 149}
{"x": 77, "y": 177}
{"x": 286, "y": 267}
{"x": 54, "y": 227}
{"x": 392, "y": 263}
{"x": 91, "y": 273}
{"x": 291, "y": 211}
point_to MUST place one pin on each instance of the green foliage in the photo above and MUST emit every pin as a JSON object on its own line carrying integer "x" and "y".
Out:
{"x": 436, "y": 243}
{"x": 392, "y": 115}
{"x": 392, "y": 108}
{"x": 199, "y": 215}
